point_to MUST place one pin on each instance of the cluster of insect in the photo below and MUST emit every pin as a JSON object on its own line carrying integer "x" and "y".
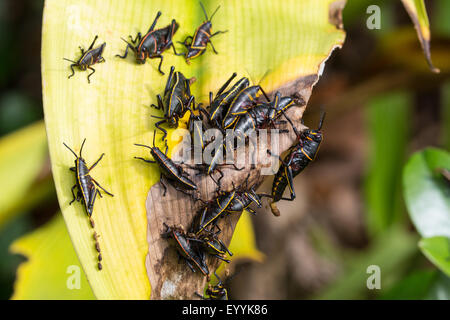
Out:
{"x": 241, "y": 107}
{"x": 152, "y": 45}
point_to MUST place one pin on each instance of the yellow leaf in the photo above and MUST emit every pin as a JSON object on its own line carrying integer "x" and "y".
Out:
{"x": 243, "y": 245}
{"x": 52, "y": 270}
{"x": 22, "y": 156}
{"x": 291, "y": 39}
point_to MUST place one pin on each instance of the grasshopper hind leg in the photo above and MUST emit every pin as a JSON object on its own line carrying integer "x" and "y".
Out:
{"x": 73, "y": 194}
{"x": 160, "y": 63}
{"x": 90, "y": 74}
{"x": 73, "y": 71}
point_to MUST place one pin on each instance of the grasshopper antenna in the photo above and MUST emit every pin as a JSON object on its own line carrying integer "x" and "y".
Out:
{"x": 214, "y": 13}
{"x": 204, "y": 11}
{"x": 76, "y": 156}
{"x": 82, "y": 145}
{"x": 142, "y": 145}
{"x": 69, "y": 60}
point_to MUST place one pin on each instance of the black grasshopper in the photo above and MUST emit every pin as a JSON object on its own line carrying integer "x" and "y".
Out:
{"x": 215, "y": 292}
{"x": 244, "y": 100}
{"x": 226, "y": 203}
{"x": 176, "y": 101}
{"x": 87, "y": 186}
{"x": 243, "y": 199}
{"x": 171, "y": 171}
{"x": 86, "y": 189}
{"x": 212, "y": 210}
{"x": 195, "y": 125}
{"x": 212, "y": 245}
{"x": 153, "y": 43}
{"x": 187, "y": 249}
{"x": 215, "y": 165}
{"x": 88, "y": 58}
{"x": 202, "y": 36}
{"x": 298, "y": 157}
{"x": 218, "y": 106}
{"x": 264, "y": 115}
{"x": 278, "y": 106}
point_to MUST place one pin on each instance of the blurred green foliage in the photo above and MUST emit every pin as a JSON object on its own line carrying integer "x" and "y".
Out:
{"x": 392, "y": 124}
{"x": 20, "y": 88}
{"x": 427, "y": 195}
{"x": 8, "y": 261}
{"x": 437, "y": 250}
{"x": 445, "y": 114}
{"x": 441, "y": 20}
{"x": 355, "y": 14}
{"x": 391, "y": 251}
{"x": 416, "y": 285}
{"x": 17, "y": 111}
{"x": 440, "y": 289}
{"x": 388, "y": 117}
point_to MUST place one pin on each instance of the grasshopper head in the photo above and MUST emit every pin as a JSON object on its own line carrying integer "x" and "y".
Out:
{"x": 141, "y": 56}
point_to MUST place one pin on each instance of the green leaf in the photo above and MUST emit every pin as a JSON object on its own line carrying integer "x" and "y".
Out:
{"x": 415, "y": 286}
{"x": 418, "y": 13}
{"x": 426, "y": 192}
{"x": 445, "y": 115}
{"x": 437, "y": 250}
{"x": 290, "y": 39}
{"x": 22, "y": 158}
{"x": 387, "y": 121}
{"x": 52, "y": 270}
{"x": 391, "y": 252}
{"x": 441, "y": 288}
{"x": 427, "y": 196}
{"x": 422, "y": 284}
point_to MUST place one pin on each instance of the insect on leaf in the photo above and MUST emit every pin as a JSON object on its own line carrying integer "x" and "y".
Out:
{"x": 289, "y": 40}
